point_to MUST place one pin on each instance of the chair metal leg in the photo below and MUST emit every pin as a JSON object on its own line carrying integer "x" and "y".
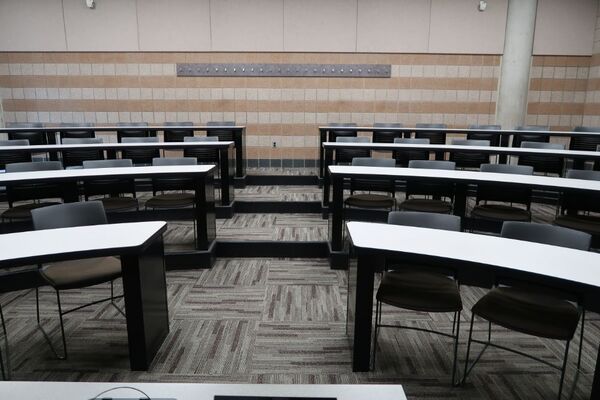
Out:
{"x": 5, "y": 371}
{"x": 581, "y": 339}
{"x": 62, "y": 328}
{"x": 112, "y": 299}
{"x": 468, "y": 349}
{"x": 563, "y": 370}
{"x": 377, "y": 321}
{"x": 455, "y": 361}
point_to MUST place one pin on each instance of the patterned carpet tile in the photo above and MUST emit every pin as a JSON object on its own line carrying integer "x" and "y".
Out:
{"x": 222, "y": 302}
{"x": 286, "y": 227}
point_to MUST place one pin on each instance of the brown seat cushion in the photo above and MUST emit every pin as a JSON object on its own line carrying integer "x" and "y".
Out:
{"x": 113, "y": 204}
{"x": 23, "y": 211}
{"x": 527, "y": 311}
{"x": 75, "y": 274}
{"x": 426, "y": 205}
{"x": 370, "y": 200}
{"x": 585, "y": 223}
{"x": 419, "y": 290}
{"x": 171, "y": 200}
{"x": 501, "y": 212}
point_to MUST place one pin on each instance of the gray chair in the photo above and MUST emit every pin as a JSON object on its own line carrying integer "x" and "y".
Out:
{"x": 335, "y": 133}
{"x": 76, "y": 133}
{"x": 179, "y": 196}
{"x": 531, "y": 137}
{"x": 369, "y": 185}
{"x": 133, "y": 129}
{"x": 529, "y": 308}
{"x": 497, "y": 202}
{"x": 75, "y": 274}
{"x": 575, "y": 209}
{"x": 436, "y": 136}
{"x": 540, "y": 163}
{"x": 403, "y": 157}
{"x": 421, "y": 288}
{"x": 177, "y": 134}
{"x": 493, "y": 138}
{"x": 438, "y": 197}
{"x": 34, "y": 137}
{"x": 206, "y": 155}
{"x": 345, "y": 156}
{"x": 383, "y": 136}
{"x": 14, "y": 157}
{"x": 584, "y": 143}
{"x": 111, "y": 189}
{"x": 76, "y": 157}
{"x": 224, "y": 134}
{"x": 469, "y": 159}
{"x": 140, "y": 156}
{"x": 34, "y": 192}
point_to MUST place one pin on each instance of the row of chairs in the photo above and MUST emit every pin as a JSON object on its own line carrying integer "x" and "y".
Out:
{"x": 494, "y": 203}
{"x": 116, "y": 194}
{"x": 525, "y": 308}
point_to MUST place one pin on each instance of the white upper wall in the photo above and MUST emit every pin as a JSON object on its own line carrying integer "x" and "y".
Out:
{"x": 564, "y": 27}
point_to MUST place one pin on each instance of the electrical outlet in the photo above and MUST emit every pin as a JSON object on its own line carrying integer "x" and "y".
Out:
{"x": 274, "y": 144}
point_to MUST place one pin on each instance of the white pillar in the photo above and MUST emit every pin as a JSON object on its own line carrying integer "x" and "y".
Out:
{"x": 511, "y": 108}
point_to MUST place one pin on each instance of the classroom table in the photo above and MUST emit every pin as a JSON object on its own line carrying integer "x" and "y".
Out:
{"x": 140, "y": 247}
{"x": 575, "y": 271}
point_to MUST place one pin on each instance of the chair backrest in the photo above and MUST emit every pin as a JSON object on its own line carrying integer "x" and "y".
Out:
{"x": 437, "y": 136}
{"x": 220, "y": 123}
{"x": 469, "y": 159}
{"x": 82, "y": 140}
{"x": 159, "y": 184}
{"x": 133, "y": 129}
{"x": 224, "y": 135}
{"x": 69, "y": 215}
{"x": 140, "y": 156}
{"x": 33, "y": 191}
{"x": 75, "y": 157}
{"x": 201, "y": 139}
{"x": 445, "y": 222}
{"x": 503, "y": 192}
{"x": 111, "y": 186}
{"x": 34, "y": 138}
{"x": 24, "y": 125}
{"x": 426, "y": 188}
{"x": 373, "y": 162}
{"x": 412, "y": 141}
{"x": 14, "y": 156}
{"x": 77, "y": 133}
{"x": 335, "y": 133}
{"x": 202, "y": 155}
{"x": 179, "y": 134}
{"x": 586, "y": 142}
{"x": 373, "y": 184}
{"x": 546, "y": 234}
{"x": 383, "y": 136}
{"x": 541, "y": 163}
{"x": 492, "y": 137}
{"x": 160, "y": 161}
{"x": 572, "y": 202}
{"x": 114, "y": 163}
{"x": 345, "y": 156}
{"x": 530, "y": 137}
{"x": 402, "y": 157}
{"x": 470, "y": 142}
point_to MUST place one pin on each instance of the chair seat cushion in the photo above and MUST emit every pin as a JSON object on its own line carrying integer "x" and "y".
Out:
{"x": 23, "y": 211}
{"x": 501, "y": 212}
{"x": 112, "y": 204}
{"x": 75, "y": 274}
{"x": 171, "y": 200}
{"x": 420, "y": 290}
{"x": 370, "y": 200}
{"x": 530, "y": 312}
{"x": 585, "y": 223}
{"x": 426, "y": 205}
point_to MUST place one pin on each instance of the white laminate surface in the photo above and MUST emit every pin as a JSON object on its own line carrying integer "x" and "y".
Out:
{"x": 48, "y": 242}
{"x": 455, "y": 130}
{"x": 193, "y": 391}
{"x": 82, "y": 173}
{"x": 105, "y": 128}
{"x": 467, "y": 176}
{"x": 114, "y": 146}
{"x": 553, "y": 261}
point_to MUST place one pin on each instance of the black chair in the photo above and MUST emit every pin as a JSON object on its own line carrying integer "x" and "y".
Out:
{"x": 575, "y": 208}
{"x": 584, "y": 143}
{"x": 370, "y": 185}
{"x": 34, "y": 137}
{"x": 345, "y": 156}
{"x": 14, "y": 157}
{"x": 530, "y": 308}
{"x": 133, "y": 130}
{"x": 75, "y": 157}
{"x": 75, "y": 274}
{"x": 421, "y": 288}
{"x": 335, "y": 133}
{"x": 76, "y": 134}
{"x": 438, "y": 196}
{"x": 34, "y": 192}
{"x": 543, "y": 164}
{"x": 403, "y": 157}
{"x": 111, "y": 189}
{"x": 531, "y": 137}
{"x": 383, "y": 136}
{"x": 494, "y": 139}
{"x": 224, "y": 134}
{"x": 500, "y": 200}
{"x": 202, "y": 155}
{"x": 140, "y": 156}
{"x": 437, "y": 136}
{"x": 182, "y": 197}
{"x": 469, "y": 159}
{"x": 177, "y": 134}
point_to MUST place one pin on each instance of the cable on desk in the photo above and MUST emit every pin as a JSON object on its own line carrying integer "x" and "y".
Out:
{"x": 120, "y": 387}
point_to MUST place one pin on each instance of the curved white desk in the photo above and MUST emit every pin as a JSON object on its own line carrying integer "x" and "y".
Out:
{"x": 573, "y": 270}
{"x": 140, "y": 247}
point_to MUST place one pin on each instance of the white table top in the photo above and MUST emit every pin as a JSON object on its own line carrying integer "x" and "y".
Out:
{"x": 467, "y": 176}
{"x": 192, "y": 391}
{"x": 470, "y": 149}
{"x": 83, "y": 173}
{"x": 454, "y": 130}
{"x": 578, "y": 266}
{"x": 102, "y": 146}
{"x": 18, "y": 248}
{"x": 122, "y": 128}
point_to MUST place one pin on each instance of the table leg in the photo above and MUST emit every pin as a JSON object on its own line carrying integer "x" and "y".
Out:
{"x": 322, "y": 138}
{"x": 227, "y": 172}
{"x": 205, "y": 218}
{"x": 360, "y": 311}
{"x": 240, "y": 167}
{"x": 145, "y": 292}
{"x": 326, "y": 177}
{"x": 460, "y": 199}
{"x": 336, "y": 213}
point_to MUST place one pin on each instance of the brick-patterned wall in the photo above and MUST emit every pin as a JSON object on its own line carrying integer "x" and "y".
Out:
{"x": 591, "y": 112}
{"x": 105, "y": 88}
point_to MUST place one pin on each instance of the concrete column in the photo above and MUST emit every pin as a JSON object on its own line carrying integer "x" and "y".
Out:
{"x": 511, "y": 108}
